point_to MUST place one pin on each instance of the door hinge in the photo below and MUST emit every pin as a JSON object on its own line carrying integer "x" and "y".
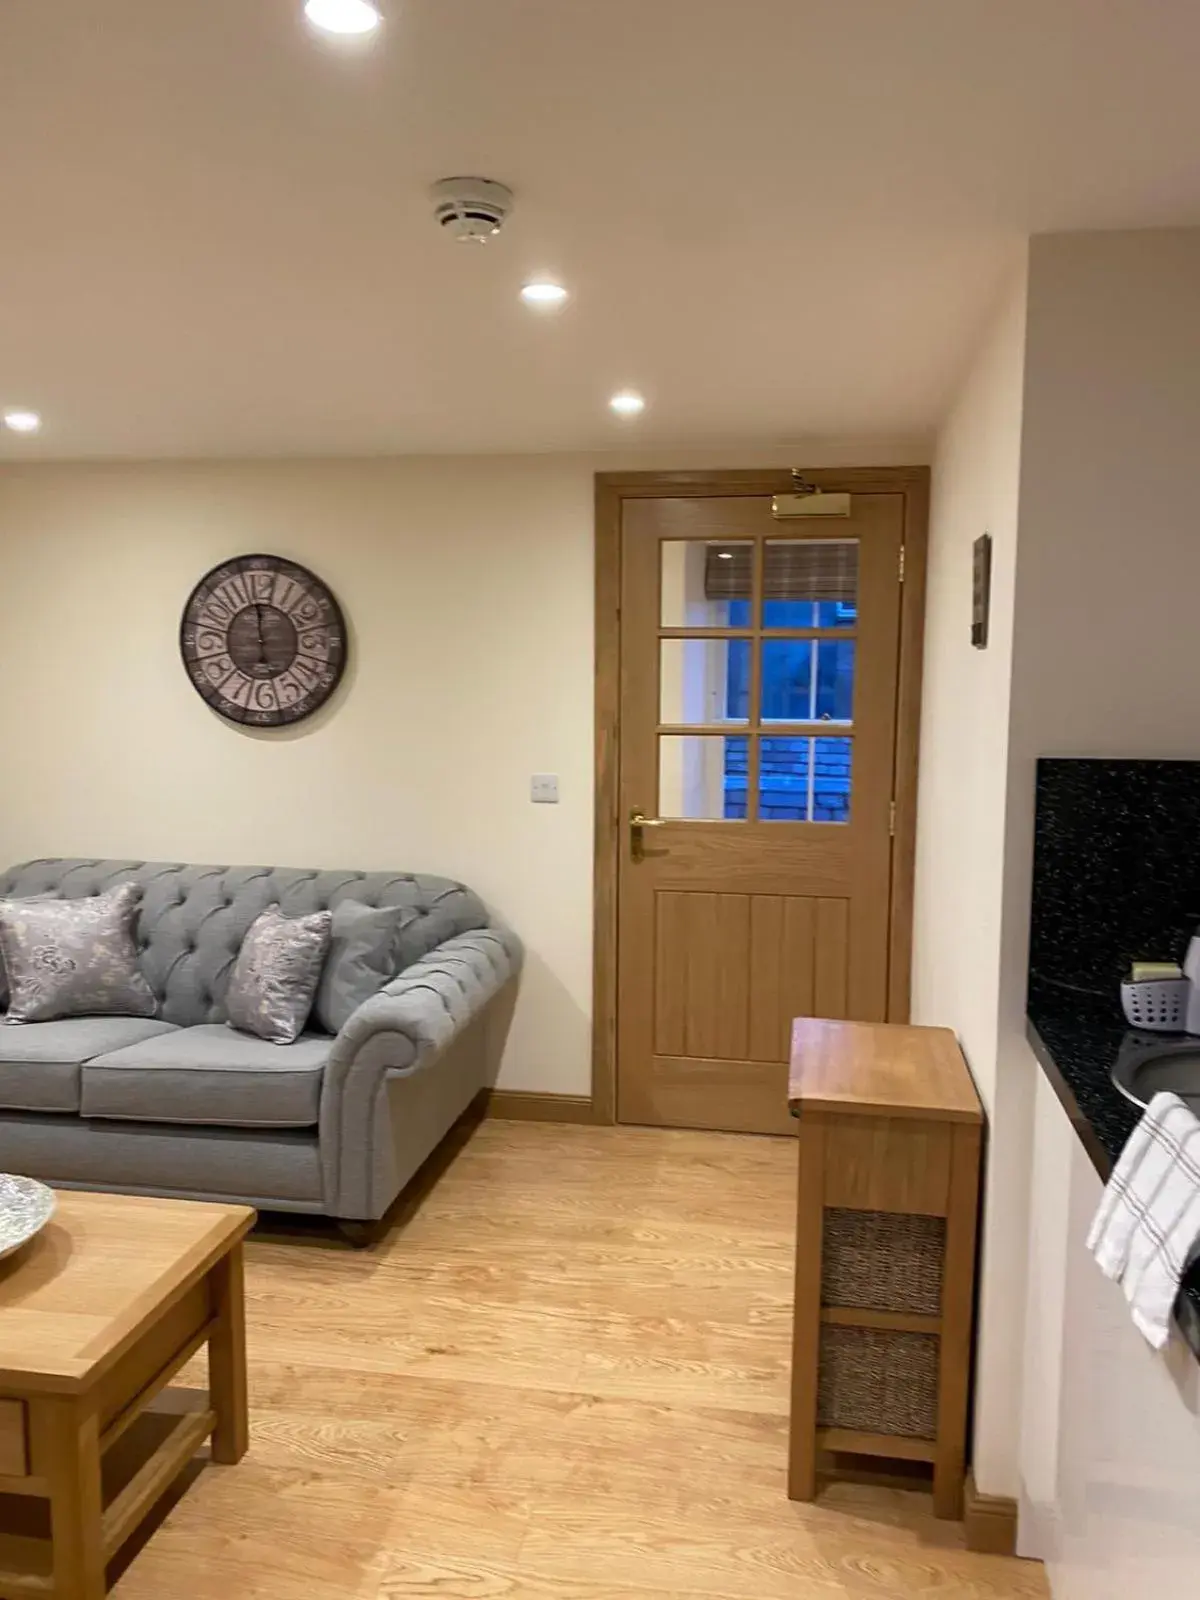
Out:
{"x": 892, "y": 820}
{"x": 901, "y": 563}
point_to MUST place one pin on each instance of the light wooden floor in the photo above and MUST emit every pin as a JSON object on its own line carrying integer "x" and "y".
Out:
{"x": 564, "y": 1377}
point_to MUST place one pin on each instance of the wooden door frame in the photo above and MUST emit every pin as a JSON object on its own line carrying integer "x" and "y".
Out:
{"x": 612, "y": 488}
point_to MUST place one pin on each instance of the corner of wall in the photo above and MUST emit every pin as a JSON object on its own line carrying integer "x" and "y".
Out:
{"x": 964, "y": 767}
{"x": 964, "y": 715}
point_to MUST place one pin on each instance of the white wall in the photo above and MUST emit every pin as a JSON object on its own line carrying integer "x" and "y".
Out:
{"x": 964, "y": 712}
{"x": 1110, "y": 1452}
{"x": 1104, "y": 659}
{"x": 468, "y": 588}
{"x": 960, "y": 826}
{"x": 1110, "y": 558}
{"x": 1055, "y": 1148}
{"x": 1097, "y": 626}
{"x": 1107, "y": 578}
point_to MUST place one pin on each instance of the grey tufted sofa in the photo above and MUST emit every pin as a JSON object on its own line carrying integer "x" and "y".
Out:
{"x": 184, "y": 1105}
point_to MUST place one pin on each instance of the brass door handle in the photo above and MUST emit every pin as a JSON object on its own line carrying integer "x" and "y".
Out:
{"x": 637, "y": 821}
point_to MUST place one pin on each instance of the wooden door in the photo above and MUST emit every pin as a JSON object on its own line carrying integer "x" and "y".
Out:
{"x": 757, "y": 732}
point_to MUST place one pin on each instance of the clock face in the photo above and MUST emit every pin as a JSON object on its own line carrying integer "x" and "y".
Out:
{"x": 263, "y": 641}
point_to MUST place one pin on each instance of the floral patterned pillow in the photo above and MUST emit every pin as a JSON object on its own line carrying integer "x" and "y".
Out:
{"x": 278, "y": 968}
{"x": 37, "y": 898}
{"x": 74, "y": 958}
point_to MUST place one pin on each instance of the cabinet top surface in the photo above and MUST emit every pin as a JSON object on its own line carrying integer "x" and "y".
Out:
{"x": 880, "y": 1069}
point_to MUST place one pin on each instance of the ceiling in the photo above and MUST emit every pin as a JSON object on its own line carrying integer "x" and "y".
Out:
{"x": 778, "y": 218}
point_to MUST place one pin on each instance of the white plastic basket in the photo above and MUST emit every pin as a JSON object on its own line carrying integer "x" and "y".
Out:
{"x": 1160, "y": 1006}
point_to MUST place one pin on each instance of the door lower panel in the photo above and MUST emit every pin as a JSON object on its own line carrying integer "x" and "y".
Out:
{"x": 732, "y": 970}
{"x": 680, "y": 1092}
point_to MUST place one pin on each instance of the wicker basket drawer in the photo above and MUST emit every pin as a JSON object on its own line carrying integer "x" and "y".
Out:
{"x": 882, "y": 1261}
{"x": 877, "y": 1381}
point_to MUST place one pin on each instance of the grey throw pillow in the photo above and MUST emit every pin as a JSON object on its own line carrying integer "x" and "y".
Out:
{"x": 361, "y": 959}
{"x": 276, "y": 975}
{"x": 74, "y": 958}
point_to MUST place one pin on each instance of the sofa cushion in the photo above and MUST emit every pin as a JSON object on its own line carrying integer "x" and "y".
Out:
{"x": 40, "y": 1061}
{"x": 210, "y": 1075}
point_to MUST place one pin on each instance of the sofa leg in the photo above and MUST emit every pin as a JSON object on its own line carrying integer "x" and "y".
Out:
{"x": 362, "y": 1235}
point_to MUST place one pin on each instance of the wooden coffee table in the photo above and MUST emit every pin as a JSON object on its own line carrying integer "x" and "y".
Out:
{"x": 97, "y": 1315}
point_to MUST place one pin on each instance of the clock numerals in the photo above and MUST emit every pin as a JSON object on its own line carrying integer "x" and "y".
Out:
{"x": 217, "y": 670}
{"x": 317, "y": 644}
{"x": 207, "y": 642}
{"x": 288, "y": 690}
{"x": 238, "y": 689}
{"x": 286, "y": 592}
{"x": 233, "y": 596}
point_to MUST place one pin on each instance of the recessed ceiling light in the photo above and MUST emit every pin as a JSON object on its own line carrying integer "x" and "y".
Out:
{"x": 627, "y": 404}
{"x": 343, "y": 16}
{"x": 22, "y": 421}
{"x": 724, "y": 555}
{"x": 543, "y": 293}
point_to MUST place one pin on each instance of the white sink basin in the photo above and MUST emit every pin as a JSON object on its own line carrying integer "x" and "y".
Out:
{"x": 1148, "y": 1067}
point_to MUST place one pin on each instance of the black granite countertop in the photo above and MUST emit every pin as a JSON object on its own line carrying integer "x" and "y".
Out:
{"x": 1076, "y": 1036}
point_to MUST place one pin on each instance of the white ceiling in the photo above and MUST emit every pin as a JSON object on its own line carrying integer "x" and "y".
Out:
{"x": 779, "y": 218}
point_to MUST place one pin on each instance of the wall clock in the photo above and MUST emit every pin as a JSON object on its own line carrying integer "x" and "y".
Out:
{"x": 263, "y": 641}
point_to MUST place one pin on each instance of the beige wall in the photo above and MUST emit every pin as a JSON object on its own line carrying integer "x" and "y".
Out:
{"x": 468, "y": 589}
{"x": 468, "y": 592}
{"x": 960, "y": 832}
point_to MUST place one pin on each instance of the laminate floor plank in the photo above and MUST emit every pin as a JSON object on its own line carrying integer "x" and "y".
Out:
{"x": 562, "y": 1376}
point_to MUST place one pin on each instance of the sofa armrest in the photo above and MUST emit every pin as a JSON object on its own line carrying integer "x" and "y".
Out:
{"x": 431, "y": 1000}
{"x": 402, "y": 1030}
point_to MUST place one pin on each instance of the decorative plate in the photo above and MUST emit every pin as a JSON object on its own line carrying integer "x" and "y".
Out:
{"x": 26, "y": 1206}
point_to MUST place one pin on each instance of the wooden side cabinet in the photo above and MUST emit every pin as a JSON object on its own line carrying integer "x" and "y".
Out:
{"x": 890, "y": 1131}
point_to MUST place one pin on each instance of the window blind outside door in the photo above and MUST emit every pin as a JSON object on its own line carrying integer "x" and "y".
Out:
{"x": 810, "y": 569}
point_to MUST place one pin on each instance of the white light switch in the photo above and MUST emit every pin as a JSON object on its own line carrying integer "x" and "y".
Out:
{"x": 543, "y": 788}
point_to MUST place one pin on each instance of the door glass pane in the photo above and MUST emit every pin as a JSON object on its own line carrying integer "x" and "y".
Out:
{"x": 831, "y": 779}
{"x": 810, "y": 583}
{"x": 804, "y": 780}
{"x": 702, "y": 776}
{"x": 808, "y": 680}
{"x": 704, "y": 680}
{"x": 706, "y": 583}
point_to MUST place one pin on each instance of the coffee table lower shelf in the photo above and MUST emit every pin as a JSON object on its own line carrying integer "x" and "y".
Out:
{"x": 154, "y": 1449}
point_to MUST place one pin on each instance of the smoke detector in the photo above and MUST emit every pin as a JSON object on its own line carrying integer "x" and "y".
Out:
{"x": 471, "y": 208}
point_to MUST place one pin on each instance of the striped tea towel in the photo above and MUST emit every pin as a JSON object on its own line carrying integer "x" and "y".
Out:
{"x": 1148, "y": 1223}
